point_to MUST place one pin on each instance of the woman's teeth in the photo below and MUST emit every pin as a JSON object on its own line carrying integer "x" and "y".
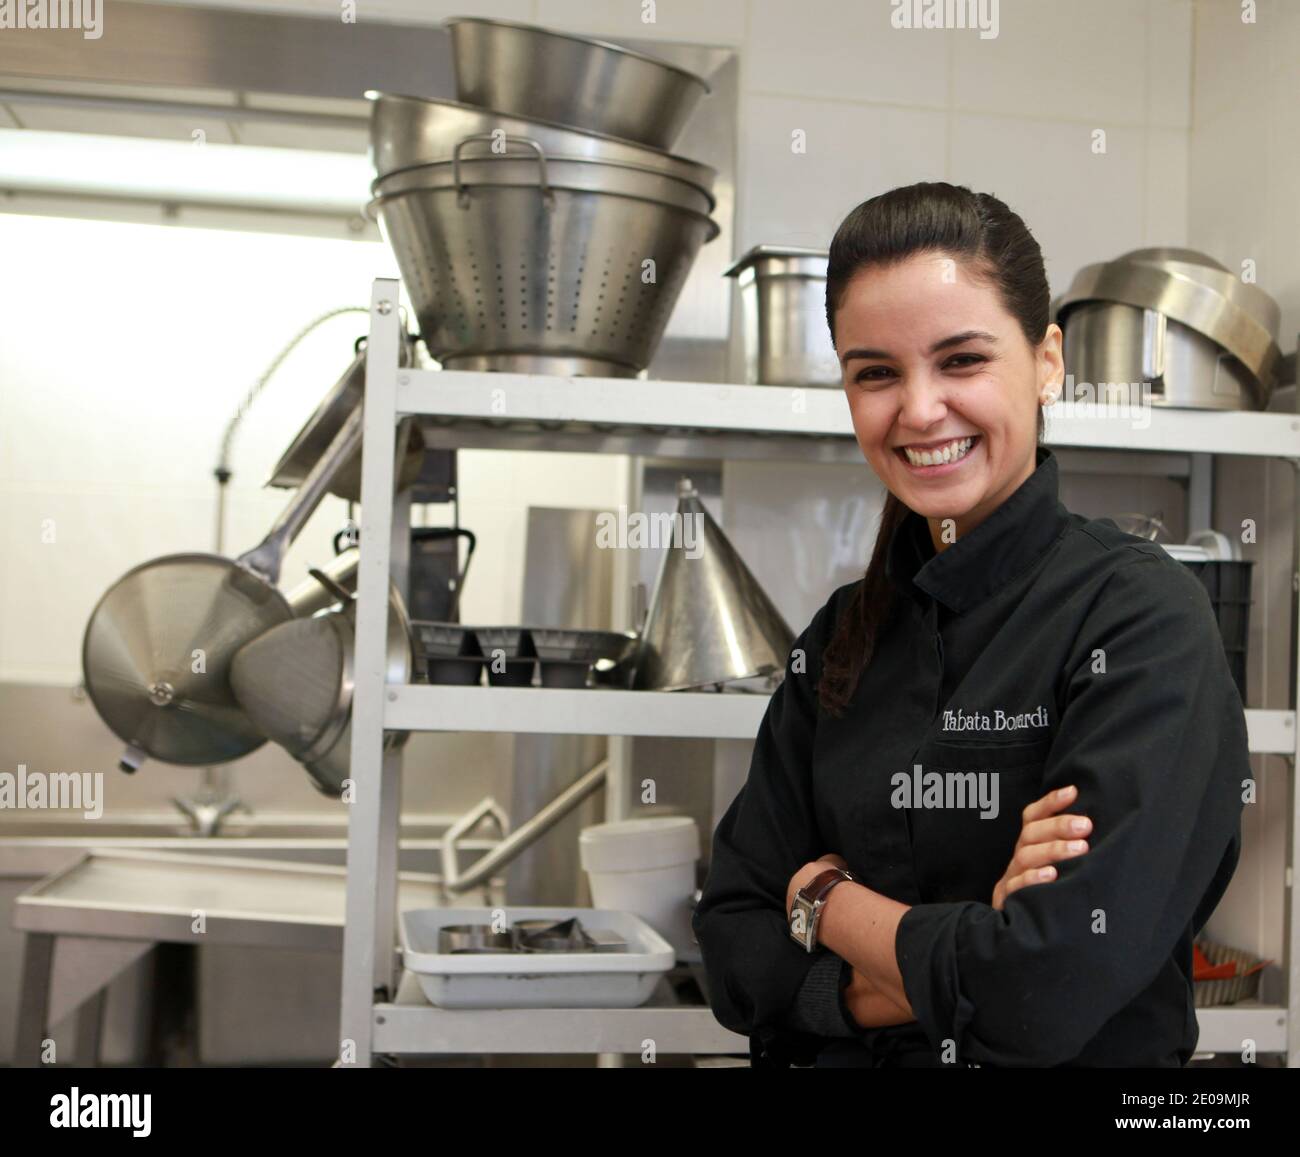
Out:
{"x": 940, "y": 455}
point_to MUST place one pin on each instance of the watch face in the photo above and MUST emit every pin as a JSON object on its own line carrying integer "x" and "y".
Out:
{"x": 801, "y": 919}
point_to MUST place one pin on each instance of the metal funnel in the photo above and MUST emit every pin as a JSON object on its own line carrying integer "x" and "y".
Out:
{"x": 710, "y": 621}
{"x": 295, "y": 682}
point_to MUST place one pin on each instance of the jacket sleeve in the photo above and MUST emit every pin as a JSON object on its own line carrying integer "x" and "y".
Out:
{"x": 1157, "y": 747}
{"x": 755, "y": 971}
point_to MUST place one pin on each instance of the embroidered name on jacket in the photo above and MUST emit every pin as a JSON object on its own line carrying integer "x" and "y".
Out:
{"x": 997, "y": 720}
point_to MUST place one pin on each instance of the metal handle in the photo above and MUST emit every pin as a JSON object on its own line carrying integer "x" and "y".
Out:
{"x": 266, "y": 557}
{"x": 462, "y": 188}
{"x": 341, "y": 593}
{"x": 1154, "y": 337}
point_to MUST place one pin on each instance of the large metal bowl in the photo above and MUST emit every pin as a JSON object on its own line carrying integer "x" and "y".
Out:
{"x": 591, "y": 84}
{"x": 510, "y": 271}
{"x": 528, "y": 169}
{"x": 406, "y": 132}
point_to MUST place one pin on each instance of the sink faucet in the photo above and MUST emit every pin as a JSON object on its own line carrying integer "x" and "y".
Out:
{"x": 212, "y": 803}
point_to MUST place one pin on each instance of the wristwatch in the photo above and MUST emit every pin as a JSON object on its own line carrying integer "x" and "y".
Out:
{"x": 806, "y": 911}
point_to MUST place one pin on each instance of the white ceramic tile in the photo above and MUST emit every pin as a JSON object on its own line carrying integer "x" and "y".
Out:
{"x": 1279, "y": 270}
{"x": 846, "y": 49}
{"x": 852, "y": 153}
{"x": 1232, "y": 59}
{"x": 1228, "y": 190}
{"x": 1081, "y": 207}
{"x": 1057, "y": 58}
{"x": 1169, "y": 62}
{"x": 1166, "y": 187}
{"x": 1284, "y": 37}
{"x": 683, "y": 21}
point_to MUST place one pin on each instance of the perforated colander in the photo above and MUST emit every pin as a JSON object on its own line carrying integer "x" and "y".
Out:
{"x": 569, "y": 268}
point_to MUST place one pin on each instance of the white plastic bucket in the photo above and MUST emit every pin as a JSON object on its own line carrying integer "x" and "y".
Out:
{"x": 646, "y": 867}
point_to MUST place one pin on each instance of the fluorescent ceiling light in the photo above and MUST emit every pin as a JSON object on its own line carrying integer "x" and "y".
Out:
{"x": 197, "y": 172}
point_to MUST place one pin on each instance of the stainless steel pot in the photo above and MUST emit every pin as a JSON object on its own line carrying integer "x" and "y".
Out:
{"x": 783, "y": 301}
{"x": 592, "y": 84}
{"x": 523, "y": 274}
{"x": 406, "y": 131}
{"x": 1172, "y": 327}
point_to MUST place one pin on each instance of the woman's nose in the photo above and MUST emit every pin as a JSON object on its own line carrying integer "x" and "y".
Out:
{"x": 922, "y": 403}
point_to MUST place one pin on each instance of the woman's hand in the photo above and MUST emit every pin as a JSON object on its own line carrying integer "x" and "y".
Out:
{"x": 808, "y": 873}
{"x": 1045, "y": 838}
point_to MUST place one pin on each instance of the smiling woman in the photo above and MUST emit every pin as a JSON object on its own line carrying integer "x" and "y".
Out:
{"x": 938, "y": 305}
{"x": 1044, "y": 914}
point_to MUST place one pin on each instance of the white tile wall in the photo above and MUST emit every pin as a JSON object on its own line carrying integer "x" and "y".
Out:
{"x": 851, "y": 152}
{"x": 1167, "y": 65}
{"x": 1057, "y": 59}
{"x": 1243, "y": 179}
{"x": 1082, "y": 205}
{"x": 844, "y": 50}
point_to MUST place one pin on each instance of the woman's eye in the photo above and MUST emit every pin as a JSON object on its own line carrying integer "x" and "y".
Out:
{"x": 873, "y": 374}
{"x": 961, "y": 361}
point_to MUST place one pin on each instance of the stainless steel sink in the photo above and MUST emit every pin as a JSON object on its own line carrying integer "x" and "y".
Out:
{"x": 253, "y": 1007}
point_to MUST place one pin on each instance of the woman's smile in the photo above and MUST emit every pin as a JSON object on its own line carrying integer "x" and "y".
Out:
{"x": 935, "y": 459}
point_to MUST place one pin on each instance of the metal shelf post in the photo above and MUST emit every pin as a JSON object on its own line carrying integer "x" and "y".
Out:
{"x": 369, "y": 966}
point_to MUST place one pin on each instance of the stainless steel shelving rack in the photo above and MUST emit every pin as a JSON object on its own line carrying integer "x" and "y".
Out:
{"x": 383, "y": 1011}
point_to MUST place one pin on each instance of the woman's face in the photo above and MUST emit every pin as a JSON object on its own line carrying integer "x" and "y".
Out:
{"x": 942, "y": 386}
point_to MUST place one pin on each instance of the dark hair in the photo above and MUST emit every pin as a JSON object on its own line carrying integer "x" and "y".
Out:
{"x": 996, "y": 247}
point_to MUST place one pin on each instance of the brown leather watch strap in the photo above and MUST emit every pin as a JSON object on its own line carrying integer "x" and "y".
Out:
{"x": 823, "y": 882}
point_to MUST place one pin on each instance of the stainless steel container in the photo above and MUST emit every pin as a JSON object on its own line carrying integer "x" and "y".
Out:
{"x": 406, "y": 132}
{"x": 590, "y": 84}
{"x": 783, "y": 298}
{"x": 517, "y": 263}
{"x": 1170, "y": 327}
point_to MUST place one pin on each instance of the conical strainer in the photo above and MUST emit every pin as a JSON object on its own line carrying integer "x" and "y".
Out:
{"x": 710, "y": 621}
{"x": 158, "y": 647}
{"x": 157, "y": 654}
{"x": 296, "y": 682}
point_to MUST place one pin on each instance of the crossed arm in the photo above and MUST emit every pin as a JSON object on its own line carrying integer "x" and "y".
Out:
{"x": 860, "y": 925}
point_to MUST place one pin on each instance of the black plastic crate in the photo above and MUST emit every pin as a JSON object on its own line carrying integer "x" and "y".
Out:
{"x": 1227, "y": 582}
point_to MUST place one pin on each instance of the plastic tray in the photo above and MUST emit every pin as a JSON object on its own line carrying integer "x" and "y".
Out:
{"x": 535, "y": 979}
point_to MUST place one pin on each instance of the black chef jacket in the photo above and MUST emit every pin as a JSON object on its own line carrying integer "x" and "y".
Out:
{"x": 1039, "y": 650}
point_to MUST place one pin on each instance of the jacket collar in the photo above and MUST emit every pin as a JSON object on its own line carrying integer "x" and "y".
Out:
{"x": 1007, "y": 543}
